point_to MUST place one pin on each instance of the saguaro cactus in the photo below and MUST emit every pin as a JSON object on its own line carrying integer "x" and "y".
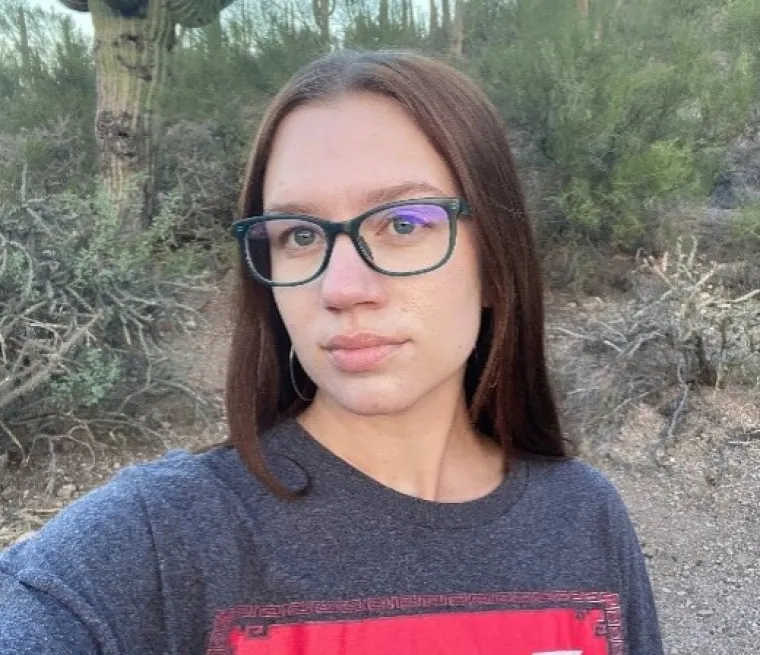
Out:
{"x": 133, "y": 40}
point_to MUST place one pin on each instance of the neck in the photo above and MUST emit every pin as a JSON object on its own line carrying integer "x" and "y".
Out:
{"x": 424, "y": 452}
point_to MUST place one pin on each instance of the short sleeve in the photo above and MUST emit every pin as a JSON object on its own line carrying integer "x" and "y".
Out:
{"x": 88, "y": 582}
{"x": 640, "y": 621}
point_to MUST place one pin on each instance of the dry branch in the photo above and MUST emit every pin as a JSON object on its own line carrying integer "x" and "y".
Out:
{"x": 52, "y": 364}
{"x": 685, "y": 331}
{"x": 77, "y": 307}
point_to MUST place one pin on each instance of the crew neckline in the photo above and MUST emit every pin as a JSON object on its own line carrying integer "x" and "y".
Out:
{"x": 339, "y": 476}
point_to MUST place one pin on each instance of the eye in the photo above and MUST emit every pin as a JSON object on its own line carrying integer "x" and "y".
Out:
{"x": 301, "y": 236}
{"x": 407, "y": 219}
{"x": 292, "y": 235}
{"x": 404, "y": 224}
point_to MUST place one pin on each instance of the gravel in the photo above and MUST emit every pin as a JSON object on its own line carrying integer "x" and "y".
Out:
{"x": 699, "y": 525}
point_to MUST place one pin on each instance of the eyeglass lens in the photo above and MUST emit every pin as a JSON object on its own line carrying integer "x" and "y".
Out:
{"x": 400, "y": 239}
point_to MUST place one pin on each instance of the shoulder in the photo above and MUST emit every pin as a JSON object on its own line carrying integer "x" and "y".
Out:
{"x": 574, "y": 487}
{"x": 573, "y": 474}
{"x": 180, "y": 474}
{"x": 119, "y": 511}
{"x": 575, "y": 505}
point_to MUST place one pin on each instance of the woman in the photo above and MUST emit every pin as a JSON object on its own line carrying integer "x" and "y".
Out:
{"x": 396, "y": 480}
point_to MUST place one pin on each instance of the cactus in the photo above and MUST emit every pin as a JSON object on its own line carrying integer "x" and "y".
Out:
{"x": 133, "y": 40}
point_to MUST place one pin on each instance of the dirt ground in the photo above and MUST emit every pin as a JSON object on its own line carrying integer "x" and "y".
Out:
{"x": 696, "y": 509}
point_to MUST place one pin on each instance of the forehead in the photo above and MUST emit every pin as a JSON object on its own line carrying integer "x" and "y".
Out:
{"x": 342, "y": 155}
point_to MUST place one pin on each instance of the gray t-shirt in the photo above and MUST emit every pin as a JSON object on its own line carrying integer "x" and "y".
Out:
{"x": 191, "y": 554}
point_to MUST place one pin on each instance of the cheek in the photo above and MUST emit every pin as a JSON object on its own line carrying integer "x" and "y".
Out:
{"x": 460, "y": 298}
{"x": 294, "y": 311}
{"x": 449, "y": 310}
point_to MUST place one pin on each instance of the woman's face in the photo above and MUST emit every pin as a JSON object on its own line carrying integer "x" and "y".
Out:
{"x": 372, "y": 343}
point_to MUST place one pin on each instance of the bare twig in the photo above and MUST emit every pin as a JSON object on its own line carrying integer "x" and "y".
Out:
{"x": 14, "y": 439}
{"x": 668, "y": 434}
{"x": 51, "y": 470}
{"x": 51, "y": 366}
{"x": 585, "y": 337}
{"x": 57, "y": 305}
{"x": 24, "y": 179}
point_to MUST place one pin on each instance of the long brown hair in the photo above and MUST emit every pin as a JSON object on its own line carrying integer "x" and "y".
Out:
{"x": 506, "y": 382}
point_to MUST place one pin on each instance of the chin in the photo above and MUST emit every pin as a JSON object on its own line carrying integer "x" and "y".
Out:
{"x": 371, "y": 397}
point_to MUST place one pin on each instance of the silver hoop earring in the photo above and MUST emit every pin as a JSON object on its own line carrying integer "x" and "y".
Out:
{"x": 292, "y": 367}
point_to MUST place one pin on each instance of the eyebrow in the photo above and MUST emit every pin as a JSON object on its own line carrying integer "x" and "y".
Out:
{"x": 371, "y": 198}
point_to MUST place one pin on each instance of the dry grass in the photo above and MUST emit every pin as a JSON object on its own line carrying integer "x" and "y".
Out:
{"x": 683, "y": 328}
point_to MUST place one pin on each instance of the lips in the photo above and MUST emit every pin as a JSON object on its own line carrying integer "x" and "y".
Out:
{"x": 359, "y": 340}
{"x": 361, "y": 352}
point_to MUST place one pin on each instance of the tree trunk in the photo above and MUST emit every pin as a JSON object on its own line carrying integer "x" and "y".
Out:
{"x": 384, "y": 16}
{"x": 457, "y": 30}
{"x": 214, "y": 37}
{"x": 321, "y": 11}
{"x": 23, "y": 46}
{"x": 445, "y": 20}
{"x": 433, "y": 20}
{"x": 584, "y": 7}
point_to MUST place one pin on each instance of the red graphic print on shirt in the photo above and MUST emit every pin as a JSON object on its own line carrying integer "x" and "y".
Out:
{"x": 558, "y": 623}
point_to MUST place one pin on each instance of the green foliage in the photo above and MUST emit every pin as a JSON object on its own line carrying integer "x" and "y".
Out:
{"x": 255, "y": 58}
{"x": 47, "y": 103}
{"x": 79, "y": 301}
{"x": 366, "y": 28}
{"x": 746, "y": 225}
{"x": 104, "y": 256}
{"x": 55, "y": 81}
{"x": 625, "y": 107}
{"x": 99, "y": 371}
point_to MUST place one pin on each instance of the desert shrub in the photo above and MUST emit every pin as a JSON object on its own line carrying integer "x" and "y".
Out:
{"x": 626, "y": 108}
{"x": 47, "y": 101}
{"x": 716, "y": 332}
{"x": 746, "y": 225}
{"x": 202, "y": 170}
{"x": 683, "y": 327}
{"x": 45, "y": 160}
{"x": 79, "y": 308}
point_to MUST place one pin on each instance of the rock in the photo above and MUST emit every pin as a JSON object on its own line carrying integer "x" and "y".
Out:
{"x": 66, "y": 491}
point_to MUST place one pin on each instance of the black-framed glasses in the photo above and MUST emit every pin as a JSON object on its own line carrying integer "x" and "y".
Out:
{"x": 405, "y": 237}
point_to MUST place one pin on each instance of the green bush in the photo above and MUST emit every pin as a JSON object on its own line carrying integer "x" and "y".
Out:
{"x": 79, "y": 305}
{"x": 746, "y": 226}
{"x": 625, "y": 109}
{"x": 90, "y": 383}
{"x": 47, "y": 104}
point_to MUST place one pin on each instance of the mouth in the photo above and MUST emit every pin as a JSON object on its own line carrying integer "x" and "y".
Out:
{"x": 360, "y": 353}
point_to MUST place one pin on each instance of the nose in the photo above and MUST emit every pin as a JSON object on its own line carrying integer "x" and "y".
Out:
{"x": 347, "y": 280}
